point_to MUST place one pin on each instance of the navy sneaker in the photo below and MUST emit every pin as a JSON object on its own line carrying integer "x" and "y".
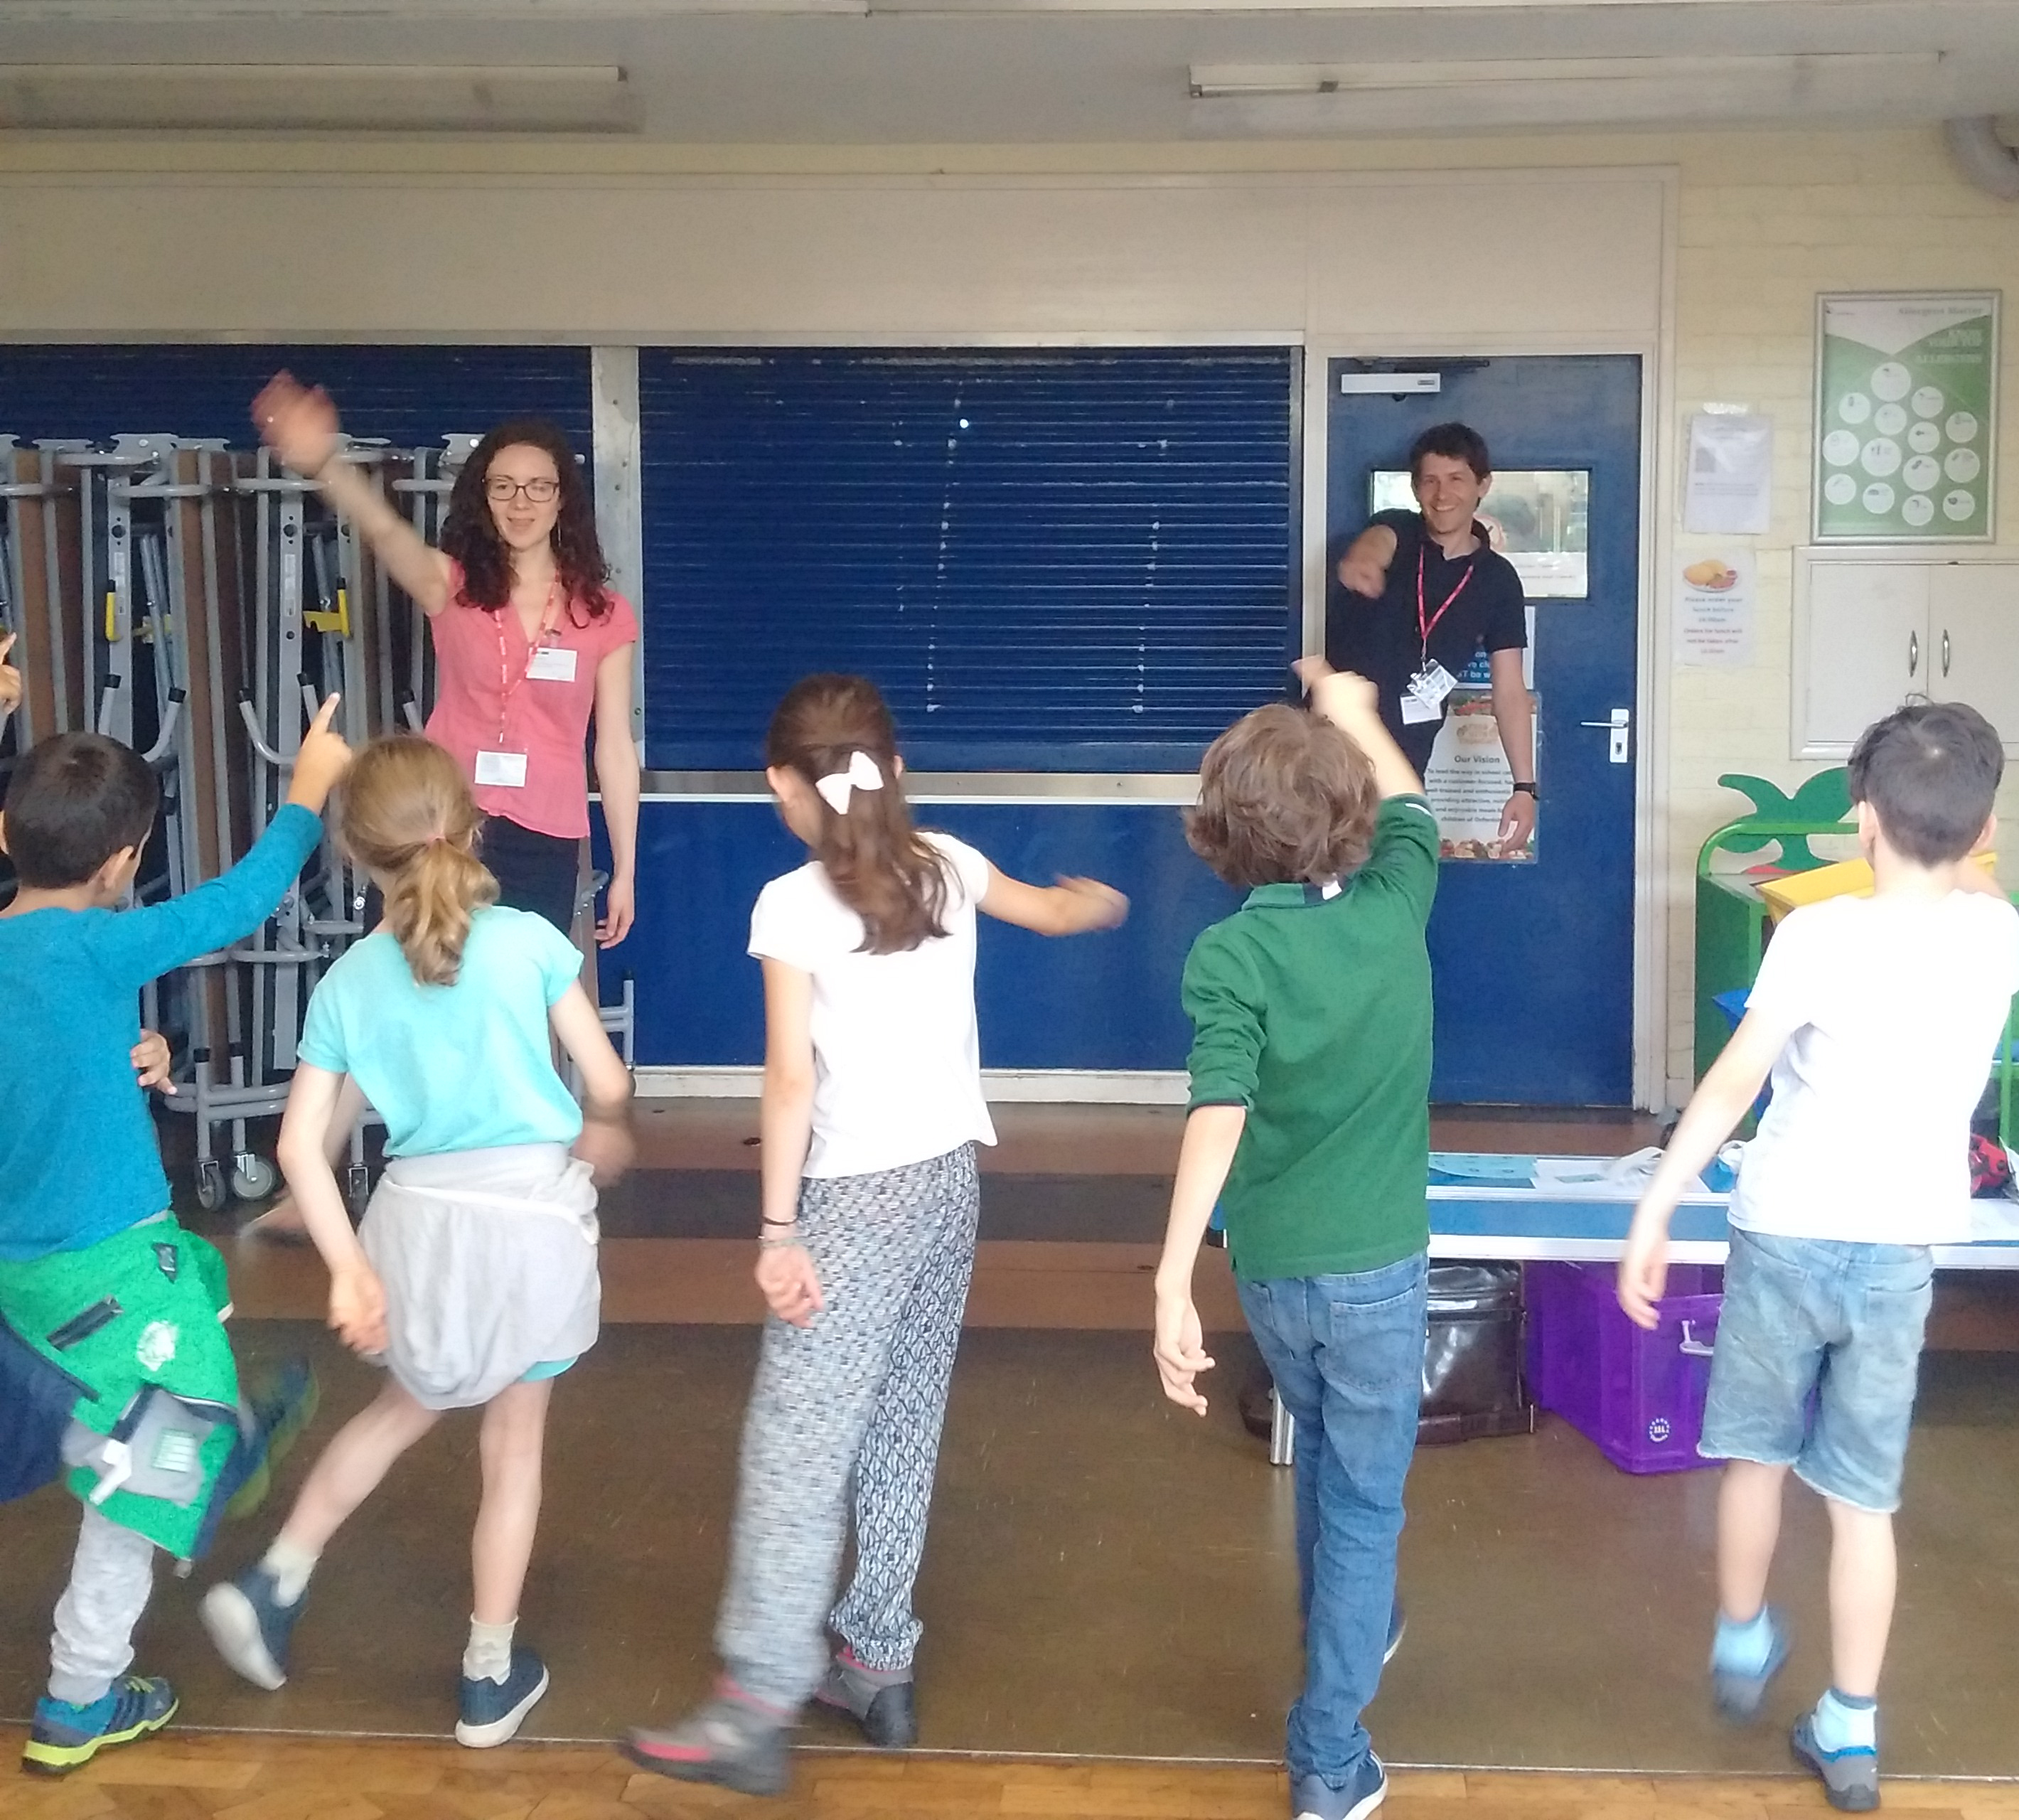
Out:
{"x": 64, "y": 1735}
{"x": 1314, "y": 1798}
{"x": 1850, "y": 1778}
{"x": 1739, "y": 1694}
{"x": 730, "y": 1741}
{"x": 886, "y": 1709}
{"x": 493, "y": 1711}
{"x": 250, "y": 1627}
{"x": 281, "y": 1408}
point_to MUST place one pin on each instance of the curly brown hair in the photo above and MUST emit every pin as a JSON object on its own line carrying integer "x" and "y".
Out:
{"x": 1285, "y": 798}
{"x": 878, "y": 864}
{"x": 469, "y": 535}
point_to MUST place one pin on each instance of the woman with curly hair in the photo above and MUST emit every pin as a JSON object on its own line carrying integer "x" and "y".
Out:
{"x": 531, "y": 643}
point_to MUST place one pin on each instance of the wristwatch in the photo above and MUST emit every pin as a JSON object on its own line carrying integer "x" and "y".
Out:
{"x": 1527, "y": 790}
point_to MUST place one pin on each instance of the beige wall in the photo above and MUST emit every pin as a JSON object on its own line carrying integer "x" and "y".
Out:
{"x": 1761, "y": 223}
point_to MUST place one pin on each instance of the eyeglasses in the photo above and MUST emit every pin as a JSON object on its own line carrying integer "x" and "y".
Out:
{"x": 501, "y": 488}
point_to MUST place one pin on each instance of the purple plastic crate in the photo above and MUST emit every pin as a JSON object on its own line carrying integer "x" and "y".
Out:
{"x": 1639, "y": 1395}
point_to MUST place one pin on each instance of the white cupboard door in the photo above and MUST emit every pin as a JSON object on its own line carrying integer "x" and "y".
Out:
{"x": 1974, "y": 634}
{"x": 1867, "y": 647}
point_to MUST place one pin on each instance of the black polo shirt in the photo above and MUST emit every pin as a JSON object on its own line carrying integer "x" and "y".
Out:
{"x": 1380, "y": 639}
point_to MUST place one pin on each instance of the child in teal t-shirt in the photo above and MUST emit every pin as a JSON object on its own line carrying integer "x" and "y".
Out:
{"x": 473, "y": 1279}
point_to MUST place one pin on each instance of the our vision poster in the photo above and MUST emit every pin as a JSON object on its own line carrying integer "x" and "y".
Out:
{"x": 1906, "y": 417}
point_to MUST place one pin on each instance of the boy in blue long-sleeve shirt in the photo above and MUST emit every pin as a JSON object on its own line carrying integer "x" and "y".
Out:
{"x": 110, "y": 1313}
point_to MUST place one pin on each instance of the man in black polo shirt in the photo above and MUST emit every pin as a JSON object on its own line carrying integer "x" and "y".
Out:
{"x": 1419, "y": 591}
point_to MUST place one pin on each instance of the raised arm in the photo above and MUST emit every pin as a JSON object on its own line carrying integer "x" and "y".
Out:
{"x": 1351, "y": 704}
{"x": 300, "y": 426}
{"x": 1071, "y": 907}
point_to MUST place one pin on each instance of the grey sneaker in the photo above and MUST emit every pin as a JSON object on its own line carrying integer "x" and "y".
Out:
{"x": 727, "y": 1740}
{"x": 1739, "y": 1694}
{"x": 1314, "y": 1798}
{"x": 1850, "y": 1778}
{"x": 885, "y": 1707}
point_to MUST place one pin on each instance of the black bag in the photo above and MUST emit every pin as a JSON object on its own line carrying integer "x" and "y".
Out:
{"x": 1473, "y": 1382}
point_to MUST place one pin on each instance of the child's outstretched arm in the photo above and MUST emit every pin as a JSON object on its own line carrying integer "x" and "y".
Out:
{"x": 1731, "y": 1084}
{"x": 1352, "y": 705}
{"x": 309, "y": 1129}
{"x": 605, "y": 1144}
{"x": 1071, "y": 907}
{"x": 785, "y": 1271}
{"x": 139, "y": 945}
{"x": 1212, "y": 1134}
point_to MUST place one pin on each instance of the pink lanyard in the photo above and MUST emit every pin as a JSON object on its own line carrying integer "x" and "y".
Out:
{"x": 1426, "y": 626}
{"x": 507, "y": 684}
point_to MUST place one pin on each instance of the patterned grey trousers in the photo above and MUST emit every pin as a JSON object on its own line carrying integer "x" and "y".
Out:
{"x": 850, "y": 1409}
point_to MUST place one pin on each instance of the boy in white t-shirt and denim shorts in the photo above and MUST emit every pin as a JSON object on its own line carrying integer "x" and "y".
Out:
{"x": 1878, "y": 1018}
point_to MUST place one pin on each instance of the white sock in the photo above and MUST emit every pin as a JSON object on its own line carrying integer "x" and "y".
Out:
{"x": 488, "y": 1656}
{"x": 1843, "y": 1723}
{"x": 290, "y": 1565}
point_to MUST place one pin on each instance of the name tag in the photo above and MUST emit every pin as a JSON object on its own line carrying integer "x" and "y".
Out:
{"x": 1415, "y": 710}
{"x": 552, "y": 663}
{"x": 503, "y": 769}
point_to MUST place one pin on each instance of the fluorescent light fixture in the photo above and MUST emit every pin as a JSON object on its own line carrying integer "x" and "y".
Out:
{"x": 1214, "y": 80}
{"x": 373, "y": 97}
{"x": 1237, "y": 100}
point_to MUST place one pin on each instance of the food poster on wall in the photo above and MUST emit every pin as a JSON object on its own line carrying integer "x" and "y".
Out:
{"x": 1906, "y": 404}
{"x": 1714, "y": 609}
{"x": 1468, "y": 782}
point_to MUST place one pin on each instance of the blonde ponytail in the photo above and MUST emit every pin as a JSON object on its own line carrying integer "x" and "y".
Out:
{"x": 407, "y": 816}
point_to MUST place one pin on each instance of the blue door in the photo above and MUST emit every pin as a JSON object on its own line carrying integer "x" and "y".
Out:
{"x": 1533, "y": 959}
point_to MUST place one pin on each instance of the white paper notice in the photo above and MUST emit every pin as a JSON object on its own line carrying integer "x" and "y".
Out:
{"x": 1728, "y": 490}
{"x": 1467, "y": 782}
{"x": 1714, "y": 609}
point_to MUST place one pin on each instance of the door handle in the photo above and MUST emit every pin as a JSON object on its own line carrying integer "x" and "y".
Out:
{"x": 1913, "y": 654}
{"x": 1620, "y": 724}
{"x": 1945, "y": 651}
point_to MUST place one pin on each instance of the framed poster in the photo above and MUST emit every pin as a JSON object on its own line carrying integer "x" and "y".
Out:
{"x": 1906, "y": 417}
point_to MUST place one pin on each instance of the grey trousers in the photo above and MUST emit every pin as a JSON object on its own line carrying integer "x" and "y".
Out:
{"x": 848, "y": 1411}
{"x": 110, "y": 1577}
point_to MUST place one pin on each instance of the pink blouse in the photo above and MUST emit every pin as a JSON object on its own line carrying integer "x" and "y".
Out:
{"x": 493, "y": 694}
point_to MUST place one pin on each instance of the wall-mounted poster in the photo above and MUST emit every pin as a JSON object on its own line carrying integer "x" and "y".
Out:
{"x": 1906, "y": 417}
{"x": 1467, "y": 782}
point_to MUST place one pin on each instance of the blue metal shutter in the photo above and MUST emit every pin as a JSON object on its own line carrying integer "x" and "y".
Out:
{"x": 1065, "y": 560}
{"x": 406, "y": 394}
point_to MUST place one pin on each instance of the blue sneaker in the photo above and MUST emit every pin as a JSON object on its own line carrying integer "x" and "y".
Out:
{"x": 1314, "y": 1798}
{"x": 1739, "y": 1693}
{"x": 281, "y": 1408}
{"x": 64, "y": 1735}
{"x": 250, "y": 1627}
{"x": 493, "y": 1711}
{"x": 1850, "y": 1778}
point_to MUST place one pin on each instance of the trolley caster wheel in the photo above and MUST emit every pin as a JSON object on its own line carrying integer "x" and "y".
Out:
{"x": 210, "y": 1193}
{"x": 252, "y": 1177}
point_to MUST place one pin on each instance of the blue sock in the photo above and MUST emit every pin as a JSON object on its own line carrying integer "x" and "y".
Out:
{"x": 1744, "y": 1649}
{"x": 1845, "y": 1722}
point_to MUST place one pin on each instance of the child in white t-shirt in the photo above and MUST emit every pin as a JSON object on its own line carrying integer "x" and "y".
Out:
{"x": 872, "y": 1107}
{"x": 1878, "y": 1019}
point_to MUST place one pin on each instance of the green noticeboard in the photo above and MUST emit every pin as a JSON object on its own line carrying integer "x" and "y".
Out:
{"x": 1906, "y": 417}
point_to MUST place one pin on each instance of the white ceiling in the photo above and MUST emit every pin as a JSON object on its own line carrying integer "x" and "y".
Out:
{"x": 1005, "y": 71}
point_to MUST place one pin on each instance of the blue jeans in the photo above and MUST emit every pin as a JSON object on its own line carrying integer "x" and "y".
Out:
{"x": 1346, "y": 1353}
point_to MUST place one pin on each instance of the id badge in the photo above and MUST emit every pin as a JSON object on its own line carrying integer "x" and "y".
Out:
{"x": 1433, "y": 682}
{"x": 1415, "y": 710}
{"x": 552, "y": 663}
{"x": 504, "y": 771}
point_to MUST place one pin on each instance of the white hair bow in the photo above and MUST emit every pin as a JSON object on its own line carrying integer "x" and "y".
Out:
{"x": 837, "y": 787}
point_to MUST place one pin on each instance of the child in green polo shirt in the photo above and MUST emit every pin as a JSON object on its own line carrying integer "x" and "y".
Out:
{"x": 1310, "y": 1125}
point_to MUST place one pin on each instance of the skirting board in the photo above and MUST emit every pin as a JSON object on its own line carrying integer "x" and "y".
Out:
{"x": 1089, "y": 1087}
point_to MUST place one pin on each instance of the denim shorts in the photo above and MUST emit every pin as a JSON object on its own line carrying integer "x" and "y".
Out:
{"x": 1818, "y": 1345}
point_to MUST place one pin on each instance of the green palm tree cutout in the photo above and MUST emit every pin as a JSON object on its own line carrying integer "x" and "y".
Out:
{"x": 1818, "y": 806}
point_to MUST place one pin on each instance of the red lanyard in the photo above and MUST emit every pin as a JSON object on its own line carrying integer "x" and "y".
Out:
{"x": 1425, "y": 626}
{"x": 507, "y": 684}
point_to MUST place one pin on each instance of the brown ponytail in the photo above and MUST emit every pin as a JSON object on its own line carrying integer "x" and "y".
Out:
{"x": 407, "y": 816}
{"x": 874, "y": 859}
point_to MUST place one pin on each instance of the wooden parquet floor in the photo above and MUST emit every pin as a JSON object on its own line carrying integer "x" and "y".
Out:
{"x": 237, "y": 1777}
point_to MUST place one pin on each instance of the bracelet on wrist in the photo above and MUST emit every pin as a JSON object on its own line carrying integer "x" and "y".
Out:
{"x": 765, "y": 1220}
{"x": 766, "y": 1242}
